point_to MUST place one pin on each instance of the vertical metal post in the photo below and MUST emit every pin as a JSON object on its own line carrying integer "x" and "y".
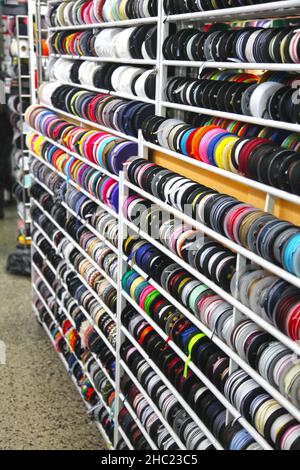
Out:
{"x": 121, "y": 303}
{"x": 161, "y": 70}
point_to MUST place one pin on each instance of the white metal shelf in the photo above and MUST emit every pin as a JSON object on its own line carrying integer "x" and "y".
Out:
{"x": 58, "y": 301}
{"x": 49, "y": 334}
{"x": 125, "y": 403}
{"x": 225, "y": 348}
{"x": 107, "y": 24}
{"x": 293, "y": 345}
{"x": 42, "y": 254}
{"x": 235, "y": 117}
{"x": 58, "y": 326}
{"x": 107, "y": 440}
{"x": 117, "y": 60}
{"x": 76, "y": 186}
{"x": 64, "y": 310}
{"x": 85, "y": 123}
{"x": 280, "y": 272}
{"x": 53, "y": 343}
{"x": 178, "y": 396}
{"x": 37, "y": 292}
{"x": 42, "y": 184}
{"x": 91, "y": 321}
{"x": 54, "y": 320}
{"x": 96, "y": 327}
{"x": 284, "y": 195}
{"x": 50, "y": 289}
{"x": 108, "y": 92}
{"x": 257, "y": 11}
{"x": 38, "y": 10}
{"x": 24, "y": 92}
{"x": 42, "y": 231}
{"x": 267, "y": 10}
{"x": 232, "y": 64}
{"x": 233, "y": 411}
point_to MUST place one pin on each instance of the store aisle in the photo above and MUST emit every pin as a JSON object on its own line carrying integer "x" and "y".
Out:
{"x": 39, "y": 406}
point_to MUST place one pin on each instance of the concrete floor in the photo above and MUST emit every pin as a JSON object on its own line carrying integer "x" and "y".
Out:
{"x": 39, "y": 405}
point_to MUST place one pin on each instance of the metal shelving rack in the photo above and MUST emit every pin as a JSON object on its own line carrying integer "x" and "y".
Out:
{"x": 23, "y": 92}
{"x": 26, "y": 90}
{"x": 278, "y": 9}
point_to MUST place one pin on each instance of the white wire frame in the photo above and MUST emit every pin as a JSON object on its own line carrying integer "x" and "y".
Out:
{"x": 131, "y": 411}
{"x": 137, "y": 421}
{"x": 108, "y": 409}
{"x": 100, "y": 333}
{"x": 107, "y": 24}
{"x": 231, "y": 410}
{"x": 78, "y": 247}
{"x": 293, "y": 345}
